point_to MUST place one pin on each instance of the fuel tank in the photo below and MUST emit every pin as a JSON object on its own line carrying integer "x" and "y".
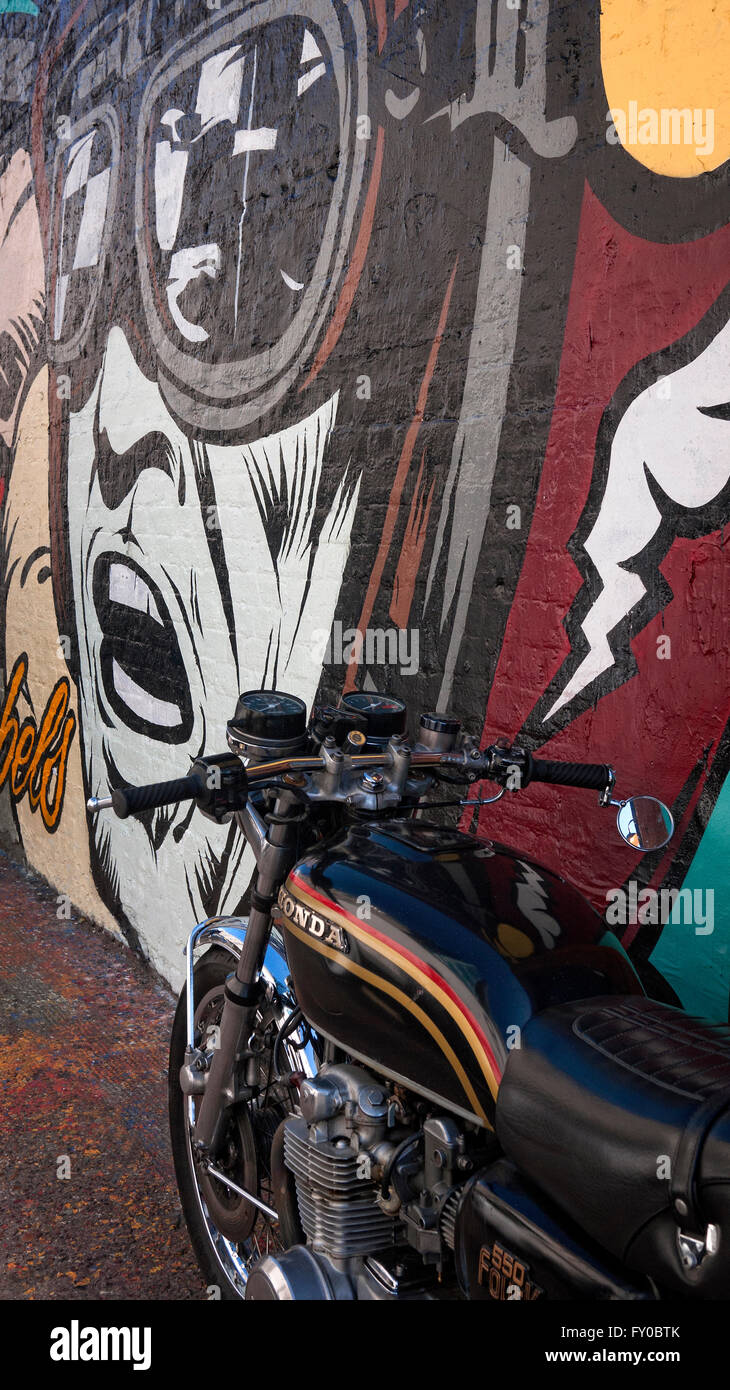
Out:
{"x": 423, "y": 952}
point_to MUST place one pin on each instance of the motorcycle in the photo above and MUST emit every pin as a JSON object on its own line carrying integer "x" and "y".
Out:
{"x": 423, "y": 1068}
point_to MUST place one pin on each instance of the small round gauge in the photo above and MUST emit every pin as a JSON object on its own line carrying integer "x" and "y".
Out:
{"x": 385, "y": 715}
{"x": 268, "y": 719}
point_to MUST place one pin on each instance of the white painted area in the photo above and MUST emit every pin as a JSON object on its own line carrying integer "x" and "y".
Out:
{"x": 77, "y": 173}
{"x": 219, "y": 89}
{"x": 170, "y": 120}
{"x": 400, "y": 107}
{"x": 664, "y": 434}
{"x": 293, "y": 284}
{"x": 170, "y": 170}
{"x": 186, "y": 265}
{"x": 79, "y": 159}
{"x": 532, "y": 900}
{"x": 143, "y": 704}
{"x": 295, "y": 605}
{"x": 308, "y": 79}
{"x": 93, "y": 218}
{"x": 60, "y": 308}
{"x": 128, "y": 587}
{"x": 163, "y": 891}
{"x": 422, "y": 54}
{"x": 310, "y": 48}
{"x": 244, "y": 191}
{"x": 262, "y": 138}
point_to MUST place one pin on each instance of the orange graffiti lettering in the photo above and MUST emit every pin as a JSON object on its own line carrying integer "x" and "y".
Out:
{"x": 33, "y": 757}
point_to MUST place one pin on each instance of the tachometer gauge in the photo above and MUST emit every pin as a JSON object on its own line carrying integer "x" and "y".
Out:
{"x": 268, "y": 721}
{"x": 385, "y": 715}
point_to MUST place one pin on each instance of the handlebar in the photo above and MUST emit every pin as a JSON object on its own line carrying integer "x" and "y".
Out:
{"x": 129, "y": 801}
{"x": 494, "y": 763}
{"x": 595, "y": 775}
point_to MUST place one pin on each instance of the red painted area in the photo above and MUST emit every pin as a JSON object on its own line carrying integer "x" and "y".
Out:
{"x": 629, "y": 298}
{"x": 381, "y": 18}
{"x": 412, "y": 549}
{"x": 414, "y": 960}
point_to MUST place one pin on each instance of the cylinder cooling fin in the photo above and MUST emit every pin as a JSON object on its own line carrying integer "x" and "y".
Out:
{"x": 338, "y": 1207}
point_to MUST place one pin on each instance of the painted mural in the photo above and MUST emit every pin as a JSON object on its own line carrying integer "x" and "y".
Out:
{"x": 381, "y": 343}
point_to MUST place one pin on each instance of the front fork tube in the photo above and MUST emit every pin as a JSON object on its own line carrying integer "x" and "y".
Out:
{"x": 274, "y": 855}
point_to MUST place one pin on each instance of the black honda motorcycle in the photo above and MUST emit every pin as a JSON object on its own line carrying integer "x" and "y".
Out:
{"x": 422, "y": 1068}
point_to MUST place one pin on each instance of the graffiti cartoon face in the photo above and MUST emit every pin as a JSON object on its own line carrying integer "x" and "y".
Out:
{"x": 205, "y": 538}
{"x": 230, "y": 199}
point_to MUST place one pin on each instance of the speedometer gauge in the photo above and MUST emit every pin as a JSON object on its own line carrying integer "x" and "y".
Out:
{"x": 385, "y": 715}
{"x": 268, "y": 720}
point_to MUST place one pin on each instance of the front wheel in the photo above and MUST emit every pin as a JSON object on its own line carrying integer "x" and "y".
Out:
{"x": 228, "y": 1233}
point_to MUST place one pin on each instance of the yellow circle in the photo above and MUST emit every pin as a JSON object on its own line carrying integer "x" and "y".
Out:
{"x": 514, "y": 941}
{"x": 667, "y": 80}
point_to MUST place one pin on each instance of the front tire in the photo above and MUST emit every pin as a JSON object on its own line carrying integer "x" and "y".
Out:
{"x": 228, "y": 1234}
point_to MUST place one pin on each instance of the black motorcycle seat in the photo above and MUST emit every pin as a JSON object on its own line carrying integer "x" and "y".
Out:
{"x": 619, "y": 1109}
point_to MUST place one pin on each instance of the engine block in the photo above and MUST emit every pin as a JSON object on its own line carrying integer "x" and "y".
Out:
{"x": 359, "y": 1245}
{"x": 336, "y": 1197}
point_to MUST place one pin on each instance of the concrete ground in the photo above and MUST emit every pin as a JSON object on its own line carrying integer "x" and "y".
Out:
{"x": 88, "y": 1203}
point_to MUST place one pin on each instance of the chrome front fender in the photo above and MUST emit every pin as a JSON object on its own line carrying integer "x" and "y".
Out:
{"x": 230, "y": 933}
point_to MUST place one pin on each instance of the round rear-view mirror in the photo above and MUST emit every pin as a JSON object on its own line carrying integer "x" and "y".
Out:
{"x": 645, "y": 823}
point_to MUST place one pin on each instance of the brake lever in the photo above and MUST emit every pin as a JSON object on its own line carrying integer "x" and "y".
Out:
{"x": 484, "y": 800}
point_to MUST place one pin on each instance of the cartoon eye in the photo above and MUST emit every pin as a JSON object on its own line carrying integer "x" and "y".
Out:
{"x": 716, "y": 412}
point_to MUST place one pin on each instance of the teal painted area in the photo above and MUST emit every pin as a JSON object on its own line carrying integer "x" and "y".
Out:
{"x": 18, "y": 7}
{"x": 698, "y": 967}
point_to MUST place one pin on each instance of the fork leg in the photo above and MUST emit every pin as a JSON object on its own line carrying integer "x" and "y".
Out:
{"x": 243, "y": 989}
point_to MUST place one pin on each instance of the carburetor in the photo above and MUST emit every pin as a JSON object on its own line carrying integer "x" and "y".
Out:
{"x": 334, "y": 1149}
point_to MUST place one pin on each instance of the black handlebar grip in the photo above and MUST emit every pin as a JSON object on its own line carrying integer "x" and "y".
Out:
{"x": 596, "y": 775}
{"x": 129, "y": 801}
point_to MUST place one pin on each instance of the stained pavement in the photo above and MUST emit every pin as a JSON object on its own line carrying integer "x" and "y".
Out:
{"x": 84, "y": 1030}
